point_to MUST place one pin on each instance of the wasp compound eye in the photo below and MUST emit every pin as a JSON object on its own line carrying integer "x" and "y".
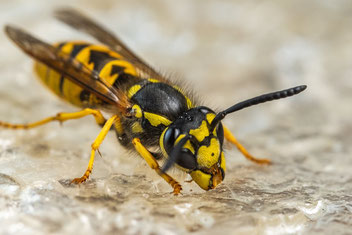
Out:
{"x": 187, "y": 159}
{"x": 170, "y": 137}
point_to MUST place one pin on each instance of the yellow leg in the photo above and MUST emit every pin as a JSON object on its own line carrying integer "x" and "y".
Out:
{"x": 229, "y": 137}
{"x": 148, "y": 157}
{"x": 95, "y": 146}
{"x": 61, "y": 117}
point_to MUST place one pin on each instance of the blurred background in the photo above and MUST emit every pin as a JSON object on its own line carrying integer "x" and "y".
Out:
{"x": 226, "y": 51}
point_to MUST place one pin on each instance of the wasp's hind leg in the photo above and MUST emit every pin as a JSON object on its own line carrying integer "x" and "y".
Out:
{"x": 95, "y": 146}
{"x": 229, "y": 137}
{"x": 149, "y": 158}
{"x": 61, "y": 117}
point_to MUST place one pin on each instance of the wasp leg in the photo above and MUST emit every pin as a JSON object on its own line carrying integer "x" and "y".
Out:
{"x": 61, "y": 117}
{"x": 120, "y": 133}
{"x": 229, "y": 137}
{"x": 148, "y": 157}
{"x": 95, "y": 146}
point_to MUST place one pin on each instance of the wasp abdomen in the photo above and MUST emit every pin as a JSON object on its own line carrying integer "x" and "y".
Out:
{"x": 99, "y": 59}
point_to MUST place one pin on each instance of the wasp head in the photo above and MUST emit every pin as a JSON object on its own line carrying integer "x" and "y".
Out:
{"x": 196, "y": 146}
{"x": 194, "y": 140}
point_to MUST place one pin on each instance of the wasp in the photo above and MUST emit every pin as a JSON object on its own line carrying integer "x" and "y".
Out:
{"x": 147, "y": 111}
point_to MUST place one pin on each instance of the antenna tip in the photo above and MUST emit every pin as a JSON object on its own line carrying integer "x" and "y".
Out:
{"x": 299, "y": 89}
{"x": 290, "y": 92}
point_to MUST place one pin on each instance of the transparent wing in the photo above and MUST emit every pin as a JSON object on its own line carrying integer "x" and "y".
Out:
{"x": 81, "y": 22}
{"x": 68, "y": 67}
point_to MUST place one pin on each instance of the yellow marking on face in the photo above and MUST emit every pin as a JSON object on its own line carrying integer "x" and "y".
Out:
{"x": 187, "y": 145}
{"x": 153, "y": 80}
{"x": 210, "y": 117}
{"x": 201, "y": 178}
{"x": 201, "y": 132}
{"x": 137, "y": 110}
{"x": 189, "y": 102}
{"x": 137, "y": 128}
{"x": 180, "y": 137}
{"x": 209, "y": 155}
{"x": 156, "y": 120}
{"x": 223, "y": 162}
{"x": 133, "y": 90}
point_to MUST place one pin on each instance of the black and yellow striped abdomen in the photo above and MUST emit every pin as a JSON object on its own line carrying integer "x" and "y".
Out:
{"x": 109, "y": 64}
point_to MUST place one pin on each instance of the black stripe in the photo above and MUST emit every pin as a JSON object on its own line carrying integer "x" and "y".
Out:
{"x": 125, "y": 80}
{"x": 116, "y": 70}
{"x": 61, "y": 85}
{"x": 47, "y": 74}
{"x": 99, "y": 59}
{"x": 76, "y": 49}
{"x": 59, "y": 47}
{"x": 84, "y": 96}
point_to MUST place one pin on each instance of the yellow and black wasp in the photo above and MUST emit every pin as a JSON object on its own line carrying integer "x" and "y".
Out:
{"x": 147, "y": 110}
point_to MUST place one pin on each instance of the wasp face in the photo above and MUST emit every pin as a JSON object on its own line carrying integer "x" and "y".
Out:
{"x": 201, "y": 152}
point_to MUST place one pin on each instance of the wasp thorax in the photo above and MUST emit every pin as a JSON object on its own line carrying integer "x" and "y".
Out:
{"x": 201, "y": 151}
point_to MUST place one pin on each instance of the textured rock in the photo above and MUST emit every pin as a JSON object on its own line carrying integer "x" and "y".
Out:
{"x": 228, "y": 51}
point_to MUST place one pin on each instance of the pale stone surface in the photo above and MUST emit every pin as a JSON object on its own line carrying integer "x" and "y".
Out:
{"x": 227, "y": 51}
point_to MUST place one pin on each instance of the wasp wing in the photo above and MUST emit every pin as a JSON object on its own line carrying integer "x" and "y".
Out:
{"x": 68, "y": 67}
{"x": 81, "y": 22}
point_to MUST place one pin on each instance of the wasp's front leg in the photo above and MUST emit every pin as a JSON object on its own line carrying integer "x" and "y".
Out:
{"x": 149, "y": 158}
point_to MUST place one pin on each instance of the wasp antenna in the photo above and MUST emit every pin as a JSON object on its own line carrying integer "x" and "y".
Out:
{"x": 257, "y": 100}
{"x": 174, "y": 154}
